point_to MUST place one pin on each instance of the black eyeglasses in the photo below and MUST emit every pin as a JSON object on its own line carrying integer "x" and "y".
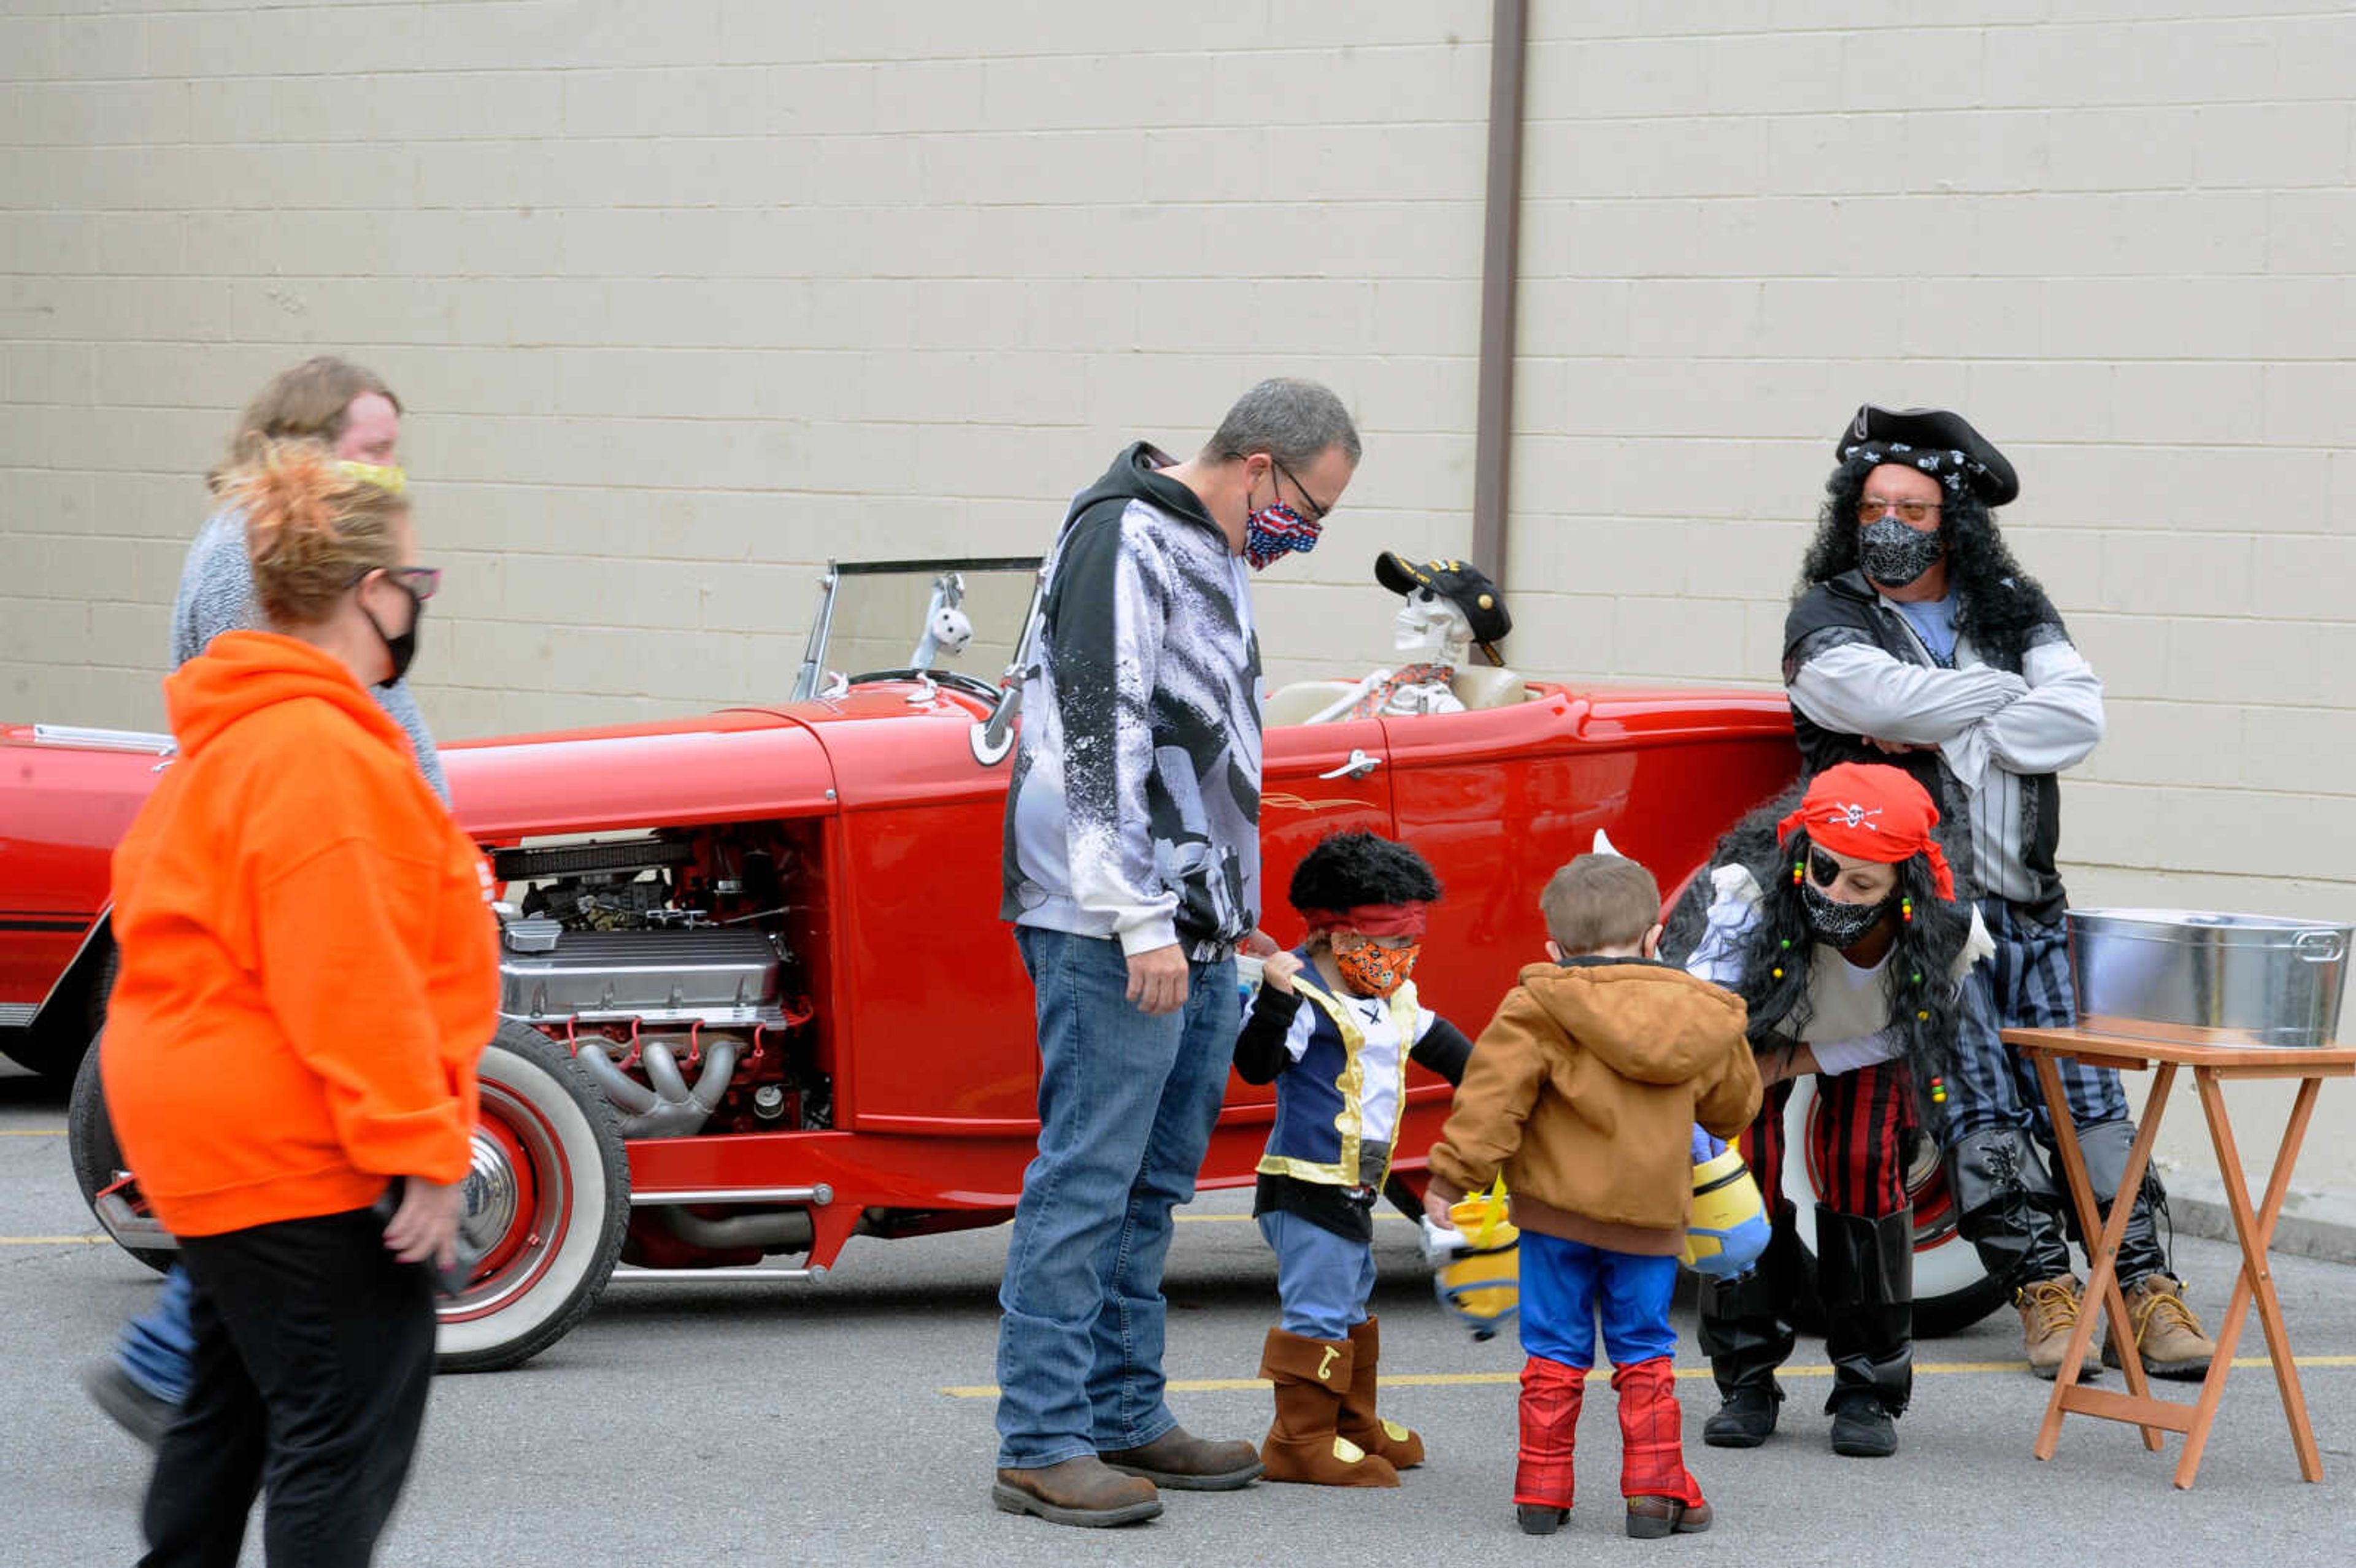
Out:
{"x": 421, "y": 583}
{"x": 1316, "y": 513}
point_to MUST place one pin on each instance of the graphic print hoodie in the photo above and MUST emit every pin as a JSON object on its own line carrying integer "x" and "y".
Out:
{"x": 1133, "y": 811}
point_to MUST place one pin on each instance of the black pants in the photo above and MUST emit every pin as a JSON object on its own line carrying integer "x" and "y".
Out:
{"x": 314, "y": 1353}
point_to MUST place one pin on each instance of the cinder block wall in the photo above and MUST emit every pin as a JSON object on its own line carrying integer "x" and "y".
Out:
{"x": 686, "y": 297}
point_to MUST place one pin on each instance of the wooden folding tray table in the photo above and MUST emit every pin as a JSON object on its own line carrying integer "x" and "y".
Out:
{"x": 2213, "y": 1067}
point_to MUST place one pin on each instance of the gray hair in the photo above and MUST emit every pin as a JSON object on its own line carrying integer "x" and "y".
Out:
{"x": 1294, "y": 422}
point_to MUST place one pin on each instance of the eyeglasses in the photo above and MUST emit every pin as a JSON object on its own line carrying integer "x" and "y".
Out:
{"x": 1873, "y": 509}
{"x": 421, "y": 583}
{"x": 1316, "y": 512}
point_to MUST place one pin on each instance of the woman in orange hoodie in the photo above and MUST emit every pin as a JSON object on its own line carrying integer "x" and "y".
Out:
{"x": 308, "y": 973}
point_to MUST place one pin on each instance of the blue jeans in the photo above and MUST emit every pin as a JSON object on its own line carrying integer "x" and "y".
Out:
{"x": 1322, "y": 1279}
{"x": 1563, "y": 1284}
{"x": 156, "y": 1346}
{"x": 1126, "y": 1106}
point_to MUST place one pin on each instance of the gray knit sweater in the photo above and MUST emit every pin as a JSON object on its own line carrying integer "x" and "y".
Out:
{"x": 217, "y": 596}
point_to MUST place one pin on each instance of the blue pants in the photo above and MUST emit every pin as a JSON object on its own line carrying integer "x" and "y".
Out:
{"x": 156, "y": 1345}
{"x": 1566, "y": 1284}
{"x": 2025, "y": 985}
{"x": 1126, "y": 1106}
{"x": 1323, "y": 1280}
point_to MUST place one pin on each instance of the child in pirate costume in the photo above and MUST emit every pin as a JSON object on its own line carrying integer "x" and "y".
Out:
{"x": 1917, "y": 639}
{"x": 1847, "y": 945}
{"x": 1334, "y": 1027}
{"x": 1585, "y": 1090}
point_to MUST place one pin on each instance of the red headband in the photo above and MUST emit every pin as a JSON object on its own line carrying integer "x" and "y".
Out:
{"x": 1872, "y": 812}
{"x": 1372, "y": 920}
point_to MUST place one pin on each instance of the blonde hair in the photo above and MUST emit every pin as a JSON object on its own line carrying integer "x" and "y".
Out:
{"x": 1599, "y": 900}
{"x": 309, "y": 402}
{"x": 313, "y": 527}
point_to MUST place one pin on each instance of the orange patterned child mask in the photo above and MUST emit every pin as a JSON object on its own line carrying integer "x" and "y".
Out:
{"x": 1373, "y": 970}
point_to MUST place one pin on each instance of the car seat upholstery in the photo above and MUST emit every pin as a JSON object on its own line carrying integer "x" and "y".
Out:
{"x": 1303, "y": 700}
{"x": 1482, "y": 686}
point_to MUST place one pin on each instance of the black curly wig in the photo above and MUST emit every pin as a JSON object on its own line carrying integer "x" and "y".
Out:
{"x": 1915, "y": 977}
{"x": 1361, "y": 867}
{"x": 1996, "y": 603}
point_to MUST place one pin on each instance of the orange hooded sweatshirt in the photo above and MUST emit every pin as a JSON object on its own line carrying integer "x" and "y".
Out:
{"x": 308, "y": 970}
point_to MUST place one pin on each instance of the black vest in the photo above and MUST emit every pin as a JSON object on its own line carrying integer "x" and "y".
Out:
{"x": 1846, "y": 609}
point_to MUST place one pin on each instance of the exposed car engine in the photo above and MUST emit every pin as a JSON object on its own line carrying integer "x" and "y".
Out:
{"x": 663, "y": 963}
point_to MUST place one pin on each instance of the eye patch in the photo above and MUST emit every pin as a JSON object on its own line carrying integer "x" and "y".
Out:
{"x": 1823, "y": 868}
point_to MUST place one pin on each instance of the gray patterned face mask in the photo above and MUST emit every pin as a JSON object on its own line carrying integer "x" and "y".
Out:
{"x": 1838, "y": 924}
{"x": 1893, "y": 554}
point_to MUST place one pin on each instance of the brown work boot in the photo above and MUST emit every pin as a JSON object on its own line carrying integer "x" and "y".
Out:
{"x": 1650, "y": 1518}
{"x": 1311, "y": 1377}
{"x": 1184, "y": 1462}
{"x": 2167, "y": 1335}
{"x": 2048, "y": 1311}
{"x": 1085, "y": 1491}
{"x": 1359, "y": 1422}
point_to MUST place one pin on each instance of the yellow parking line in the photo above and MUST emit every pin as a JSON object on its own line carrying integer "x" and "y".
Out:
{"x": 52, "y": 1241}
{"x": 32, "y": 1131}
{"x": 1600, "y": 1374}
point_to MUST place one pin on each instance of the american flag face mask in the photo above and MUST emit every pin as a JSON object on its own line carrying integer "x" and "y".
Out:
{"x": 1275, "y": 531}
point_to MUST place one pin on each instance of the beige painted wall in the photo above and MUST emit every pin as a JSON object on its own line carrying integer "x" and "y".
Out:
{"x": 686, "y": 297}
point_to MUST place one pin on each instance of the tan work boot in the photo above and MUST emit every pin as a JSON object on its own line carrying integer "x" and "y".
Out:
{"x": 2048, "y": 1311}
{"x": 2167, "y": 1335}
{"x": 1311, "y": 1377}
{"x": 1085, "y": 1491}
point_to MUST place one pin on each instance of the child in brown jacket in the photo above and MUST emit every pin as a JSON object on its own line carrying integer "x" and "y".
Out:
{"x": 1584, "y": 1089}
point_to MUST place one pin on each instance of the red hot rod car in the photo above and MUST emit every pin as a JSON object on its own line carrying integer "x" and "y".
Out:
{"x": 756, "y": 999}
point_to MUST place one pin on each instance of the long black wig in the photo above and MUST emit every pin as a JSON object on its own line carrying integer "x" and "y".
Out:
{"x": 1923, "y": 999}
{"x": 1998, "y": 604}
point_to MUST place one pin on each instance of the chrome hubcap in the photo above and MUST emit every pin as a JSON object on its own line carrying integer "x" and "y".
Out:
{"x": 487, "y": 1205}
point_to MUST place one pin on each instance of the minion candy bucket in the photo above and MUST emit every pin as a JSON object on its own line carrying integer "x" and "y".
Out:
{"x": 1727, "y": 1227}
{"x": 1477, "y": 1262}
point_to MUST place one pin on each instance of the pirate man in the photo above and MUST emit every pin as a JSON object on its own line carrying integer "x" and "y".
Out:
{"x": 1917, "y": 639}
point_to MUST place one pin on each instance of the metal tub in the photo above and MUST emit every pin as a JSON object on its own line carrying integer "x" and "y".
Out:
{"x": 2196, "y": 977}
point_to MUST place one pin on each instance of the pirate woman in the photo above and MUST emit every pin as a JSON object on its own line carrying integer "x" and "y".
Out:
{"x": 1842, "y": 934}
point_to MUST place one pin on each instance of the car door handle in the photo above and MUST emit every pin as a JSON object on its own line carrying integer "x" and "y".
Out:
{"x": 1360, "y": 764}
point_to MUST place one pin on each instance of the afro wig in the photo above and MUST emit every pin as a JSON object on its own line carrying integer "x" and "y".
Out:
{"x": 1360, "y": 867}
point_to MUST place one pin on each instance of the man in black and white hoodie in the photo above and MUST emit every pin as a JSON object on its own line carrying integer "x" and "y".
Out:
{"x": 1132, "y": 877}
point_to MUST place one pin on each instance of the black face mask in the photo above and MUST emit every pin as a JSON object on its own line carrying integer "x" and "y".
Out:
{"x": 403, "y": 649}
{"x": 1893, "y": 554}
{"x": 1838, "y": 924}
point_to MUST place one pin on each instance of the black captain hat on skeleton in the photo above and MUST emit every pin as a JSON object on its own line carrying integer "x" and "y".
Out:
{"x": 1461, "y": 583}
{"x": 1939, "y": 441}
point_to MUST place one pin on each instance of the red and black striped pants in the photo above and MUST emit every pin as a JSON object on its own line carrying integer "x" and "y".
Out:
{"x": 1858, "y": 1138}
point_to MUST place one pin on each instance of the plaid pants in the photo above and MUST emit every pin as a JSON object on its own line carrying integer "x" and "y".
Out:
{"x": 2026, "y": 985}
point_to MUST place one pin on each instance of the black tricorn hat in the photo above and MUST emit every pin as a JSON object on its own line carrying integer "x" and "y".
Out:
{"x": 1939, "y": 441}
{"x": 1461, "y": 583}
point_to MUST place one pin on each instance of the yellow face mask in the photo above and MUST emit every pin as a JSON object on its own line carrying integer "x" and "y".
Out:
{"x": 385, "y": 477}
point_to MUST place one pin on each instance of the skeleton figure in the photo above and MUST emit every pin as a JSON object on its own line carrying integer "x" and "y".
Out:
{"x": 1433, "y": 633}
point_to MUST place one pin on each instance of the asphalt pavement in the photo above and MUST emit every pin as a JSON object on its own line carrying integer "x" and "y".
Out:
{"x": 849, "y": 1423}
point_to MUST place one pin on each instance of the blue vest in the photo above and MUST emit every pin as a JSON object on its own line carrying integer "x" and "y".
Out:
{"x": 1321, "y": 1099}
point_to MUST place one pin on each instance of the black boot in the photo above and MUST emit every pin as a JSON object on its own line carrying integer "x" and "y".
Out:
{"x": 1746, "y": 1332}
{"x": 1864, "y": 1272}
{"x": 2105, "y": 1146}
{"x": 2007, "y": 1208}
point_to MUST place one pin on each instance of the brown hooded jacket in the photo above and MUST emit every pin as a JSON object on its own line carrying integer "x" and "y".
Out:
{"x": 1584, "y": 1089}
